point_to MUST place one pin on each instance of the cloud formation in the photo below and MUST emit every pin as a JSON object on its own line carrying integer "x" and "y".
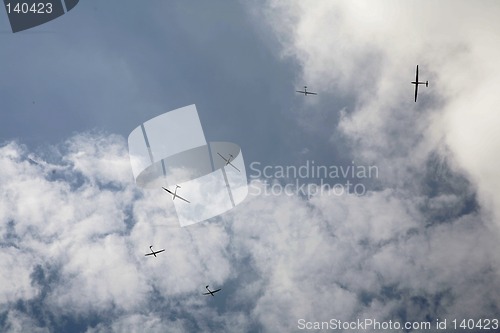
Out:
{"x": 74, "y": 231}
{"x": 369, "y": 51}
{"x": 74, "y": 238}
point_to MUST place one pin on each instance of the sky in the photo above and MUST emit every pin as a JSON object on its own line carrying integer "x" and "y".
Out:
{"x": 418, "y": 244}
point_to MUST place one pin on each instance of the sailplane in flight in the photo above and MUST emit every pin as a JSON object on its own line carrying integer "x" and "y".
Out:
{"x": 305, "y": 92}
{"x": 211, "y": 292}
{"x": 416, "y": 83}
{"x": 228, "y": 161}
{"x": 174, "y": 194}
{"x": 153, "y": 253}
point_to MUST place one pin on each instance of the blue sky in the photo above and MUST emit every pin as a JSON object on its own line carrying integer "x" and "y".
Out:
{"x": 421, "y": 244}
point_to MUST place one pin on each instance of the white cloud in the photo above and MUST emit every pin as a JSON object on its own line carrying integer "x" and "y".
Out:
{"x": 90, "y": 227}
{"x": 17, "y": 321}
{"x": 369, "y": 51}
{"x": 138, "y": 323}
{"x": 363, "y": 257}
{"x": 392, "y": 240}
{"x": 14, "y": 266}
{"x": 277, "y": 258}
{"x": 100, "y": 158}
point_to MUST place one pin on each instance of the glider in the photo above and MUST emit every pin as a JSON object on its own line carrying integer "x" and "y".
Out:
{"x": 174, "y": 194}
{"x": 305, "y": 92}
{"x": 228, "y": 161}
{"x": 211, "y": 292}
{"x": 416, "y": 83}
{"x": 153, "y": 253}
